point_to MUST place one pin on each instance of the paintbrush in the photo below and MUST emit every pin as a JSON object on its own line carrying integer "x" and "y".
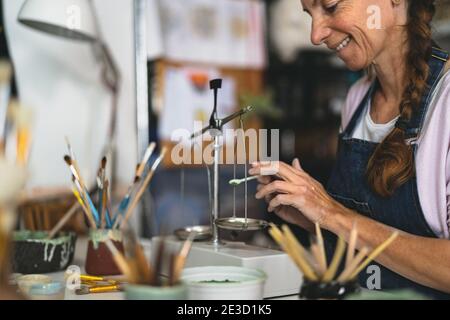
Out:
{"x": 132, "y": 188}
{"x": 180, "y": 259}
{"x": 103, "y": 192}
{"x": 64, "y": 219}
{"x": 85, "y": 201}
{"x": 236, "y": 182}
{"x": 99, "y": 289}
{"x": 141, "y": 190}
{"x": 158, "y": 263}
{"x": 74, "y": 160}
{"x": 120, "y": 261}
{"x": 142, "y": 269}
{"x": 141, "y": 167}
{"x": 75, "y": 173}
{"x": 105, "y": 207}
{"x": 85, "y": 209}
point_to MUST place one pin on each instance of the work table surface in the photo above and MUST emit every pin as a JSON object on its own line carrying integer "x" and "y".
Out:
{"x": 79, "y": 259}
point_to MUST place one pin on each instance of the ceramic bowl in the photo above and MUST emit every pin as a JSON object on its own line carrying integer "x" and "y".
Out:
{"x": 224, "y": 283}
{"x": 33, "y": 253}
{"x": 142, "y": 292}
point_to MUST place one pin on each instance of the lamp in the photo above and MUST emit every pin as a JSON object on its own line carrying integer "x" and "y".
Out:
{"x": 77, "y": 20}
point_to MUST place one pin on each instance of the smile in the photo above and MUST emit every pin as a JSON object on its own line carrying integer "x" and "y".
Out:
{"x": 343, "y": 44}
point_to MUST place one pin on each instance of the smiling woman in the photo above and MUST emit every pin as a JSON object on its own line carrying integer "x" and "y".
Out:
{"x": 391, "y": 171}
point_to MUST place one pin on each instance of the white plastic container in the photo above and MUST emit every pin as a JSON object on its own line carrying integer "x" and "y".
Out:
{"x": 224, "y": 283}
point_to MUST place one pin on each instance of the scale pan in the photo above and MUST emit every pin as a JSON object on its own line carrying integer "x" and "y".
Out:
{"x": 201, "y": 232}
{"x": 241, "y": 224}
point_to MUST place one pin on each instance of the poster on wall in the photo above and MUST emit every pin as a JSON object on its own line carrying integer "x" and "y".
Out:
{"x": 226, "y": 33}
{"x": 188, "y": 100}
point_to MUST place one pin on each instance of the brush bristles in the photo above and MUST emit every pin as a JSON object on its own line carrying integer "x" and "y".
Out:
{"x": 104, "y": 160}
{"x": 68, "y": 160}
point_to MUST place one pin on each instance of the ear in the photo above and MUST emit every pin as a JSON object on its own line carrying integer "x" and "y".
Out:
{"x": 400, "y": 8}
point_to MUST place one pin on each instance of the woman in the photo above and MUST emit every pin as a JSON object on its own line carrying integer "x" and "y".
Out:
{"x": 393, "y": 166}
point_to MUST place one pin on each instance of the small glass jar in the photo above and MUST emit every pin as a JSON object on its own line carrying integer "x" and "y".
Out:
{"x": 315, "y": 290}
{"x": 99, "y": 260}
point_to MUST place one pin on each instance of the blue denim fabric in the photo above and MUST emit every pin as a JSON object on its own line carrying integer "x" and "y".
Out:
{"x": 402, "y": 210}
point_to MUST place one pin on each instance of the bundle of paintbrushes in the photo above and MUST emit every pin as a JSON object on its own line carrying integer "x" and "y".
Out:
{"x": 99, "y": 213}
{"x": 139, "y": 270}
{"x": 313, "y": 263}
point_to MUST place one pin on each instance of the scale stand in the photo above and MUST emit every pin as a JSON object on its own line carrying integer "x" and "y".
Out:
{"x": 283, "y": 277}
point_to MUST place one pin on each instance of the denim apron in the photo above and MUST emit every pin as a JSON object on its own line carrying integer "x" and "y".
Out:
{"x": 402, "y": 210}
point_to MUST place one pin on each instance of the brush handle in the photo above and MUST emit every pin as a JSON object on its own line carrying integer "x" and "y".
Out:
{"x": 139, "y": 194}
{"x": 64, "y": 219}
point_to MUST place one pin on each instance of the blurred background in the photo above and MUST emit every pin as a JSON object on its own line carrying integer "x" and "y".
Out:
{"x": 166, "y": 51}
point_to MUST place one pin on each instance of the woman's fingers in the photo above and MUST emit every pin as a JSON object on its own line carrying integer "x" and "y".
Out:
{"x": 281, "y": 200}
{"x": 264, "y": 179}
{"x": 296, "y": 164}
{"x": 277, "y": 168}
{"x": 278, "y": 186}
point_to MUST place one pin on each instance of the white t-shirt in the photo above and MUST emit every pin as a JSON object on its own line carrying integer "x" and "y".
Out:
{"x": 368, "y": 130}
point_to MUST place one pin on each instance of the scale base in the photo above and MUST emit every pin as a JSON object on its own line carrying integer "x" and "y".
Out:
{"x": 283, "y": 277}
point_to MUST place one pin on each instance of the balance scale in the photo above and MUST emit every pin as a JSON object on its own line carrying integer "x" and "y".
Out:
{"x": 283, "y": 277}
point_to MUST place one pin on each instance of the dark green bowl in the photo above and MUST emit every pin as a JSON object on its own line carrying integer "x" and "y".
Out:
{"x": 33, "y": 253}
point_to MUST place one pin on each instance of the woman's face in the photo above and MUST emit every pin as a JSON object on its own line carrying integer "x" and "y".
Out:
{"x": 359, "y": 31}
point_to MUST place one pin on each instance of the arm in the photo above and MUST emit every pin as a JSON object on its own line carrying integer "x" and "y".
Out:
{"x": 423, "y": 260}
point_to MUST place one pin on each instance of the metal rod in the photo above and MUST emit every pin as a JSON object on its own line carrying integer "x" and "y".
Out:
{"x": 140, "y": 47}
{"x": 216, "y": 208}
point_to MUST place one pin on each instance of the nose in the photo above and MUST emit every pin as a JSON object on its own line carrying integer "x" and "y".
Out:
{"x": 319, "y": 32}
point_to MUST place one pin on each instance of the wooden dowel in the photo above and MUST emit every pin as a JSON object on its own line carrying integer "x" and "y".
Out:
{"x": 315, "y": 250}
{"x": 351, "y": 245}
{"x": 320, "y": 242}
{"x": 378, "y": 250}
{"x": 345, "y": 275}
{"x": 289, "y": 243}
{"x": 337, "y": 257}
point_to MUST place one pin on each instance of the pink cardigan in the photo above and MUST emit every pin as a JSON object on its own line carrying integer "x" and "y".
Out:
{"x": 433, "y": 152}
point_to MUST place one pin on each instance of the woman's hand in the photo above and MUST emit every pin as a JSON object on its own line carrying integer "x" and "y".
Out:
{"x": 295, "y": 196}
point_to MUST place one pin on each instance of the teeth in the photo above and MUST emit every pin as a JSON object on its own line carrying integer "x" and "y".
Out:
{"x": 343, "y": 44}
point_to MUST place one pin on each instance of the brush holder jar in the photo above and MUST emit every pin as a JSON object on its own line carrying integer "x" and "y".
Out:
{"x": 99, "y": 260}
{"x": 314, "y": 290}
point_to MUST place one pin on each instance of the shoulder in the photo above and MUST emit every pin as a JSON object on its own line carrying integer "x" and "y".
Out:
{"x": 443, "y": 94}
{"x": 437, "y": 121}
{"x": 354, "y": 97}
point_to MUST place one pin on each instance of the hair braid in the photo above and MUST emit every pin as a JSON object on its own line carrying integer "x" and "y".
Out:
{"x": 392, "y": 163}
